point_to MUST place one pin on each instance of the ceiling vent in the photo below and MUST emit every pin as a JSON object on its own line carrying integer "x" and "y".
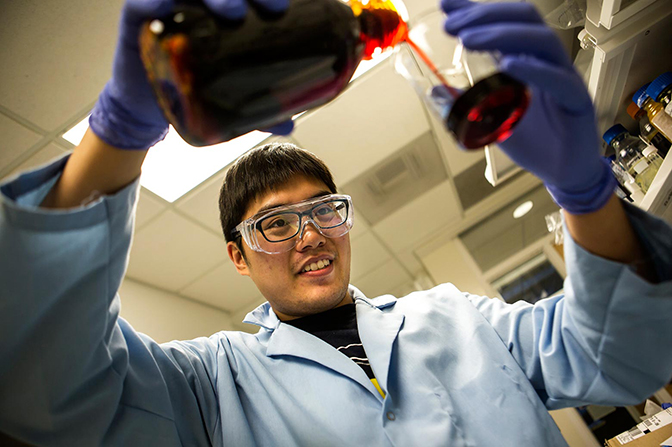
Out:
{"x": 398, "y": 180}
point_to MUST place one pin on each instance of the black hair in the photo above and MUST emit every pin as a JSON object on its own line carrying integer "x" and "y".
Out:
{"x": 261, "y": 170}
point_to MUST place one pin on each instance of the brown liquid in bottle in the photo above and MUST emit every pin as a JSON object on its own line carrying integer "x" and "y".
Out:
{"x": 217, "y": 79}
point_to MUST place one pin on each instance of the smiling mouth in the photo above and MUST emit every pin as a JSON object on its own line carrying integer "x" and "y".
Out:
{"x": 316, "y": 266}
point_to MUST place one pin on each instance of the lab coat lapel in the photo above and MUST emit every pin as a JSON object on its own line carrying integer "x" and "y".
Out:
{"x": 287, "y": 340}
{"x": 378, "y": 331}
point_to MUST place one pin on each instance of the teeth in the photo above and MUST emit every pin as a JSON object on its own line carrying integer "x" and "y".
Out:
{"x": 317, "y": 265}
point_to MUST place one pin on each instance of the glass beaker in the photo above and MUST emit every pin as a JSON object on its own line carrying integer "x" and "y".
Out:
{"x": 464, "y": 89}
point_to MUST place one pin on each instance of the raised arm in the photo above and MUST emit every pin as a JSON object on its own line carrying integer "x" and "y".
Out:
{"x": 557, "y": 139}
{"x": 94, "y": 169}
{"x": 71, "y": 371}
{"x": 607, "y": 340}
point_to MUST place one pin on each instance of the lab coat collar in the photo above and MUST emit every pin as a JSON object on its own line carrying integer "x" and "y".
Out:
{"x": 377, "y": 330}
{"x": 263, "y": 316}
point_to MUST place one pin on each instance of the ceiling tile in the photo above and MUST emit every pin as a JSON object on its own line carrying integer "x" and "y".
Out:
{"x": 376, "y": 116}
{"x": 55, "y": 56}
{"x": 224, "y": 288}
{"x": 202, "y": 203}
{"x": 171, "y": 251}
{"x": 384, "y": 279}
{"x": 41, "y": 157}
{"x": 149, "y": 206}
{"x": 404, "y": 289}
{"x": 449, "y": 263}
{"x": 360, "y": 226}
{"x": 17, "y": 139}
{"x": 430, "y": 212}
{"x": 399, "y": 179}
{"x": 408, "y": 259}
{"x": 367, "y": 254}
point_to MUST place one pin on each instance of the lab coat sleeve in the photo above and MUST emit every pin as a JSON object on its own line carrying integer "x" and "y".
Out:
{"x": 608, "y": 340}
{"x": 71, "y": 371}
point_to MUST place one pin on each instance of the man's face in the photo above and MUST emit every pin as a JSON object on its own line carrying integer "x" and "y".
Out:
{"x": 281, "y": 278}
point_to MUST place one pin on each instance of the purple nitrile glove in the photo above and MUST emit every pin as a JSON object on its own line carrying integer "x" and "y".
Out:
{"x": 127, "y": 115}
{"x": 557, "y": 139}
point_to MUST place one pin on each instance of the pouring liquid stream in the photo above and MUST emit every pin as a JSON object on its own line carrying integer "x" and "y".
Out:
{"x": 383, "y": 27}
{"x": 455, "y": 93}
{"x": 482, "y": 114}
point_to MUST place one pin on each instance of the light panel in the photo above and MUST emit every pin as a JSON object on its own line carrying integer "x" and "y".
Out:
{"x": 76, "y": 133}
{"x": 173, "y": 167}
{"x": 522, "y": 209}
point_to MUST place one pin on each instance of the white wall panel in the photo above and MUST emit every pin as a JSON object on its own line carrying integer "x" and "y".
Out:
{"x": 166, "y": 317}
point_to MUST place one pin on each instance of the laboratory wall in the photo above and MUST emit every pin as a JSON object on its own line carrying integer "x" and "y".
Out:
{"x": 449, "y": 262}
{"x": 165, "y": 317}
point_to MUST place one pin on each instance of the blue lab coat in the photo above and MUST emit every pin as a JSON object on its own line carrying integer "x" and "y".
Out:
{"x": 457, "y": 369}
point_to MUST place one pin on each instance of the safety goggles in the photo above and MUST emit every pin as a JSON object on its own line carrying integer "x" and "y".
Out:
{"x": 279, "y": 229}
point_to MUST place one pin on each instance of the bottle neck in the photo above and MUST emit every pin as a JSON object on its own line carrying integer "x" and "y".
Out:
{"x": 652, "y": 107}
{"x": 624, "y": 141}
{"x": 381, "y": 26}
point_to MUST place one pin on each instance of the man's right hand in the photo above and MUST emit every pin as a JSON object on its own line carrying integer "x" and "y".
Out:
{"x": 127, "y": 115}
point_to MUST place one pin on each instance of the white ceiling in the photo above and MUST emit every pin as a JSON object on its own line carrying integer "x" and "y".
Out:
{"x": 55, "y": 58}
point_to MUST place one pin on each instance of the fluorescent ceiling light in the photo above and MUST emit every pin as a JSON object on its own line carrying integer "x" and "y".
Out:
{"x": 522, "y": 209}
{"x": 173, "y": 168}
{"x": 75, "y": 134}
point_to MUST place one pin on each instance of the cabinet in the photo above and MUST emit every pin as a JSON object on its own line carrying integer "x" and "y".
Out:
{"x": 628, "y": 43}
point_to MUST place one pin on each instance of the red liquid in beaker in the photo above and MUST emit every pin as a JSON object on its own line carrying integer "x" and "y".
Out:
{"x": 488, "y": 111}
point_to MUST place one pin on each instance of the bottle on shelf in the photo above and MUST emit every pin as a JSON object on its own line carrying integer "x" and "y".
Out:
{"x": 628, "y": 188}
{"x": 647, "y": 132}
{"x": 654, "y": 111}
{"x": 660, "y": 90}
{"x": 634, "y": 155}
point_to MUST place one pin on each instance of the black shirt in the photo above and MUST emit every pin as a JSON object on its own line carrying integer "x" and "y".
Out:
{"x": 338, "y": 327}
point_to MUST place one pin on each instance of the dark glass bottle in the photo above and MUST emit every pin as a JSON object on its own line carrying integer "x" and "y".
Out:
{"x": 217, "y": 79}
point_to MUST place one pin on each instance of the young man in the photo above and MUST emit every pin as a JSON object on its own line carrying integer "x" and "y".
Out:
{"x": 439, "y": 367}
